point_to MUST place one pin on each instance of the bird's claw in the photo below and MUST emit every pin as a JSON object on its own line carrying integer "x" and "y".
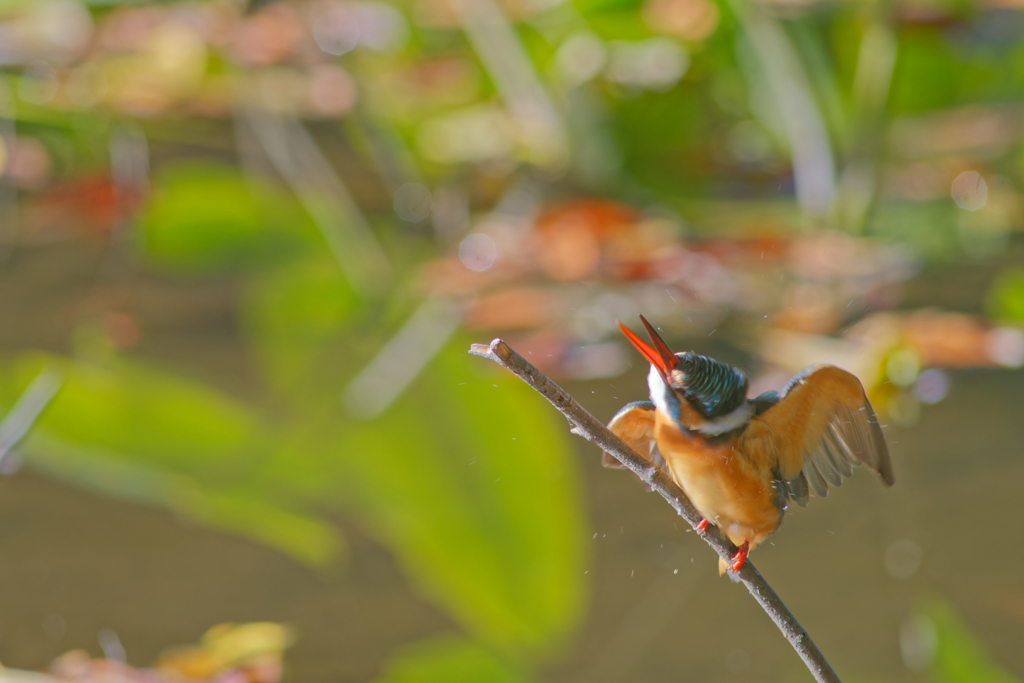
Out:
{"x": 740, "y": 558}
{"x": 702, "y": 527}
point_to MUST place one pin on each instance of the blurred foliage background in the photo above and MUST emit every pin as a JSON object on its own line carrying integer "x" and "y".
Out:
{"x": 244, "y": 248}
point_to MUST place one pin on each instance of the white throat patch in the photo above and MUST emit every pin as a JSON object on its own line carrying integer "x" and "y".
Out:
{"x": 659, "y": 393}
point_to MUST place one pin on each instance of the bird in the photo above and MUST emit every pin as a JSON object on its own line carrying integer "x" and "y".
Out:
{"x": 742, "y": 461}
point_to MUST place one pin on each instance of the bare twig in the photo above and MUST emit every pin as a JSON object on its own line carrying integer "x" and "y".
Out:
{"x": 587, "y": 426}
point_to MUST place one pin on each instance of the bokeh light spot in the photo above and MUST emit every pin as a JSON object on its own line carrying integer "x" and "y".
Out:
{"x": 580, "y": 58}
{"x": 382, "y": 28}
{"x": 332, "y": 92}
{"x": 478, "y": 252}
{"x": 902, "y": 559}
{"x": 931, "y": 386}
{"x": 412, "y": 202}
{"x": 1005, "y": 346}
{"x": 654, "y": 64}
{"x": 336, "y": 30}
{"x": 919, "y": 641}
{"x": 902, "y": 367}
{"x": 969, "y": 191}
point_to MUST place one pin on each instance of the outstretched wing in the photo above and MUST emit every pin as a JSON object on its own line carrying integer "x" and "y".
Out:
{"x": 821, "y": 427}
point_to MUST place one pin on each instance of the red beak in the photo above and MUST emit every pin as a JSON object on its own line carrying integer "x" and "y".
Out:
{"x": 662, "y": 358}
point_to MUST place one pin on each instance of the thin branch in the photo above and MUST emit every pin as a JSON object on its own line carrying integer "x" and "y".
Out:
{"x": 587, "y": 426}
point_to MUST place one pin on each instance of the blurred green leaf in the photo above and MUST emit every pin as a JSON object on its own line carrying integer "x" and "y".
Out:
{"x": 588, "y": 7}
{"x": 134, "y": 432}
{"x": 472, "y": 486}
{"x": 614, "y": 19}
{"x": 290, "y": 315}
{"x": 307, "y": 538}
{"x": 448, "y": 660}
{"x": 925, "y": 74}
{"x": 470, "y": 481}
{"x": 1005, "y": 298}
{"x": 131, "y": 408}
{"x": 960, "y": 656}
{"x": 205, "y": 217}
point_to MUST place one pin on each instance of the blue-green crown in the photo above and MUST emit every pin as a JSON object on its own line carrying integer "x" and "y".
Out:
{"x": 713, "y": 388}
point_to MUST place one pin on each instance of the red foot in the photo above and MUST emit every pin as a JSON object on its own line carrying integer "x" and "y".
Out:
{"x": 740, "y": 558}
{"x": 703, "y": 526}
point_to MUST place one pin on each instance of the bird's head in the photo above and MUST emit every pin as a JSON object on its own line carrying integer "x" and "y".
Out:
{"x": 691, "y": 389}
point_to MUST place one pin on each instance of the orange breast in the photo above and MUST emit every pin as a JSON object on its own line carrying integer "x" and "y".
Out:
{"x": 727, "y": 488}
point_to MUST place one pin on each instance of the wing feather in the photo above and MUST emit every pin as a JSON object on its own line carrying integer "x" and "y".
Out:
{"x": 825, "y": 468}
{"x": 634, "y": 424}
{"x": 839, "y": 463}
{"x": 821, "y": 427}
{"x": 839, "y": 447}
{"x": 814, "y": 478}
{"x": 799, "y": 490}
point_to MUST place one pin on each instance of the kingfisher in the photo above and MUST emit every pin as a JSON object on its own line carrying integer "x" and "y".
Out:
{"x": 742, "y": 461}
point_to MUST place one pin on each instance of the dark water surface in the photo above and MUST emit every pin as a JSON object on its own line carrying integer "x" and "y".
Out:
{"x": 73, "y": 563}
